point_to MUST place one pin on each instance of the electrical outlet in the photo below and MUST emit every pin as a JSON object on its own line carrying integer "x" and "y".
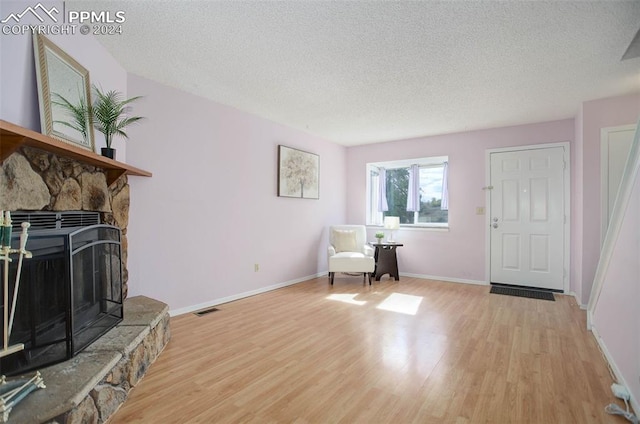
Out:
{"x": 480, "y": 210}
{"x": 620, "y": 391}
{"x": 256, "y": 267}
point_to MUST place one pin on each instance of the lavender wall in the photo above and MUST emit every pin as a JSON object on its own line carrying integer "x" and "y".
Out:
{"x": 211, "y": 211}
{"x": 597, "y": 114}
{"x": 458, "y": 254}
{"x": 615, "y": 316}
{"x": 18, "y": 90}
{"x": 18, "y": 94}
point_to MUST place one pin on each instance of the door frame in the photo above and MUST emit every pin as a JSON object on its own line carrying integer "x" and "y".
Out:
{"x": 567, "y": 205}
{"x": 604, "y": 175}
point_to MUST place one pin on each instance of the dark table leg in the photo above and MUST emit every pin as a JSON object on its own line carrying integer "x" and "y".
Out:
{"x": 386, "y": 262}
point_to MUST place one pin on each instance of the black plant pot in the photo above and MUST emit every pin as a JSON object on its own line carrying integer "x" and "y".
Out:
{"x": 109, "y": 152}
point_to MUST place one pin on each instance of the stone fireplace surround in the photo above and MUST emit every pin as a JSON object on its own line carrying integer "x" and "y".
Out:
{"x": 33, "y": 180}
{"x": 90, "y": 387}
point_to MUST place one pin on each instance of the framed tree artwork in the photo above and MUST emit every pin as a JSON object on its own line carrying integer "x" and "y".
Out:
{"x": 298, "y": 173}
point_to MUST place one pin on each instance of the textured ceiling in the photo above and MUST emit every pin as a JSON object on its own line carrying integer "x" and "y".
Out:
{"x": 362, "y": 72}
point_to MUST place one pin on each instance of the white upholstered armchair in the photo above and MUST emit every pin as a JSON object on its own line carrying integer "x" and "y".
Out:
{"x": 348, "y": 251}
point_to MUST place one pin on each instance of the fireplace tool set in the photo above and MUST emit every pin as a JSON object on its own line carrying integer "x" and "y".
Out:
{"x": 12, "y": 392}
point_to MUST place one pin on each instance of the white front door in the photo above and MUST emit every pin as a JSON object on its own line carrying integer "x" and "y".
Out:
{"x": 528, "y": 217}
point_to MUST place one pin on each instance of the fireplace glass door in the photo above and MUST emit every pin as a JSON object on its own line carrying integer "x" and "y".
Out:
{"x": 70, "y": 294}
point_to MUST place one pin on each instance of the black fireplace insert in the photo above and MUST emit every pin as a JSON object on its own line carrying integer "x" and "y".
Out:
{"x": 70, "y": 294}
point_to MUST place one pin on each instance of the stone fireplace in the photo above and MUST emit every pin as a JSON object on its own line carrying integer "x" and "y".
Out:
{"x": 34, "y": 180}
{"x": 39, "y": 173}
{"x": 37, "y": 181}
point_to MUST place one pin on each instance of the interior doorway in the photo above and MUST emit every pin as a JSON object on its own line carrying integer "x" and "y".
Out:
{"x": 615, "y": 145}
{"x": 529, "y": 216}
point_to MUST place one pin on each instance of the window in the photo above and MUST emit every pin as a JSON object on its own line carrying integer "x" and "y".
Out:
{"x": 395, "y": 178}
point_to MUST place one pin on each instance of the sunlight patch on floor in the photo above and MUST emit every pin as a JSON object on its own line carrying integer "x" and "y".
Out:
{"x": 401, "y": 303}
{"x": 346, "y": 298}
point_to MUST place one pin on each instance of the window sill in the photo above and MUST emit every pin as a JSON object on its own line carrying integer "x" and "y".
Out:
{"x": 415, "y": 227}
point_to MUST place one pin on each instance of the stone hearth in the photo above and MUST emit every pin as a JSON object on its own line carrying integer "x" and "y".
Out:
{"x": 90, "y": 387}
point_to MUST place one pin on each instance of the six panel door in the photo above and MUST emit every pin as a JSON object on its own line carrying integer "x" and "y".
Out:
{"x": 527, "y": 218}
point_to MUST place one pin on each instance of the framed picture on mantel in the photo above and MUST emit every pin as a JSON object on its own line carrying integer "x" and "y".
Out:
{"x": 298, "y": 173}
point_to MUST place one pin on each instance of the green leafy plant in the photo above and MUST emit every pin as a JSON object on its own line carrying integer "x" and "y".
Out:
{"x": 379, "y": 235}
{"x": 111, "y": 113}
{"x": 81, "y": 114}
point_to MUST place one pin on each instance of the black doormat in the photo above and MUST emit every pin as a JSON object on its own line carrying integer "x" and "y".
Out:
{"x": 513, "y": 291}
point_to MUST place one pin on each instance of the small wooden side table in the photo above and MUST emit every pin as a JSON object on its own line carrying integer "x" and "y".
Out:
{"x": 386, "y": 260}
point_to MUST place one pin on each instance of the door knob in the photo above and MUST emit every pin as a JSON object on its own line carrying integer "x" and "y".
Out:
{"x": 495, "y": 219}
{"x": 494, "y": 225}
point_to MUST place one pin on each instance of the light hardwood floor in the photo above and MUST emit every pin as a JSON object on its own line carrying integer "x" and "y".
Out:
{"x": 294, "y": 355}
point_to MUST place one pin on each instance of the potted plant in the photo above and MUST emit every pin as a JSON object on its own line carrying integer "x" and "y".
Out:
{"x": 379, "y": 236}
{"x": 111, "y": 116}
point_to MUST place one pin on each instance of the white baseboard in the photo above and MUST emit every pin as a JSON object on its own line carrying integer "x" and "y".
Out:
{"x": 447, "y": 279}
{"x": 214, "y": 302}
{"x": 616, "y": 372}
{"x": 583, "y": 307}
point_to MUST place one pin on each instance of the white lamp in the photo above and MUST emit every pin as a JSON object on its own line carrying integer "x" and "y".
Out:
{"x": 391, "y": 223}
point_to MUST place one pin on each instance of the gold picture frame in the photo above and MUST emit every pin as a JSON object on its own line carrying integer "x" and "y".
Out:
{"x": 59, "y": 75}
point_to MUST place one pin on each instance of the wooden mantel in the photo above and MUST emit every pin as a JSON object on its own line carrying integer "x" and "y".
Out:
{"x": 12, "y": 137}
